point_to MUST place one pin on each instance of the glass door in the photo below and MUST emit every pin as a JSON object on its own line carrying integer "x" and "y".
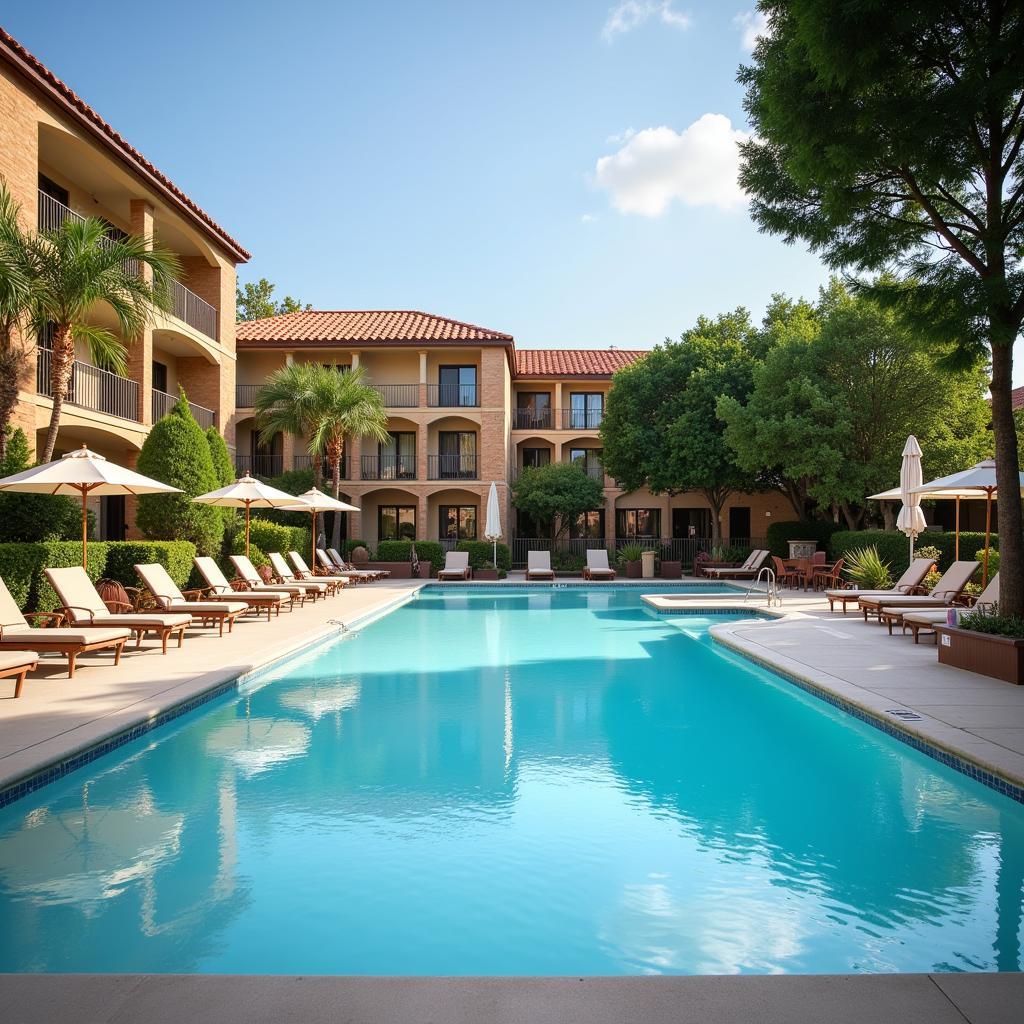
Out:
{"x": 457, "y": 385}
{"x": 585, "y": 410}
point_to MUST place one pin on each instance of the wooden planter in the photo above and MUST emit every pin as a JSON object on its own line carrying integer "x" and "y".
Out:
{"x": 485, "y": 574}
{"x": 999, "y": 657}
{"x": 634, "y": 570}
{"x": 671, "y": 570}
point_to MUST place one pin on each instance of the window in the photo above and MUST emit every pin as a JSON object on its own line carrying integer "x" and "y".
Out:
{"x": 739, "y": 522}
{"x": 457, "y": 385}
{"x": 533, "y": 410}
{"x": 159, "y": 377}
{"x": 685, "y": 520}
{"x": 638, "y": 522}
{"x": 457, "y": 522}
{"x": 396, "y": 522}
{"x": 589, "y": 525}
{"x": 585, "y": 410}
{"x": 456, "y": 454}
{"x": 589, "y": 460}
{"x": 534, "y": 457}
{"x": 397, "y": 456}
{"x": 54, "y": 191}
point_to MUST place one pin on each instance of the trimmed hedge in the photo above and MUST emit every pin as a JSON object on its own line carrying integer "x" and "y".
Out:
{"x": 894, "y": 548}
{"x": 122, "y": 557}
{"x": 394, "y": 551}
{"x": 269, "y": 536}
{"x": 401, "y": 551}
{"x": 778, "y": 535}
{"x": 481, "y": 551}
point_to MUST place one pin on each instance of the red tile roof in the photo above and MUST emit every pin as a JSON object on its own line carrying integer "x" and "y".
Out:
{"x": 574, "y": 362}
{"x": 40, "y": 76}
{"x": 362, "y": 327}
{"x": 1017, "y": 398}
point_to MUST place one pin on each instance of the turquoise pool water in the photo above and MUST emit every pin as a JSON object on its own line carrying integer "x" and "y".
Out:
{"x": 549, "y": 782}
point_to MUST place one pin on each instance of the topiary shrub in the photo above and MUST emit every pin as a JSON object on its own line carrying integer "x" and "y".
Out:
{"x": 778, "y": 535}
{"x": 431, "y": 551}
{"x": 177, "y": 452}
{"x": 348, "y": 546}
{"x": 268, "y": 536}
{"x": 22, "y": 565}
{"x": 174, "y": 555}
{"x": 395, "y": 551}
{"x": 481, "y": 551}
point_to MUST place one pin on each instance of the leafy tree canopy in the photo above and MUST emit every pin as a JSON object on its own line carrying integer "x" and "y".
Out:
{"x": 256, "y": 302}
{"x": 33, "y": 517}
{"x": 556, "y": 494}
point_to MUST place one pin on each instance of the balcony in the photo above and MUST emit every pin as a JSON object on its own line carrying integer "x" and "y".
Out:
{"x": 259, "y": 465}
{"x": 388, "y": 467}
{"x": 92, "y": 388}
{"x": 452, "y": 467}
{"x": 533, "y": 419}
{"x": 163, "y": 403}
{"x": 594, "y": 470}
{"x": 398, "y": 396}
{"x": 580, "y": 419}
{"x": 306, "y": 462}
{"x": 453, "y": 396}
{"x": 245, "y": 395}
{"x": 53, "y": 213}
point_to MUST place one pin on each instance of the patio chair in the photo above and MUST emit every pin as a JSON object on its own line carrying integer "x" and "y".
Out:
{"x": 748, "y": 570}
{"x": 825, "y": 577}
{"x": 359, "y": 575}
{"x": 248, "y": 575}
{"x": 538, "y": 565}
{"x": 18, "y": 664}
{"x": 218, "y": 586}
{"x": 83, "y": 607}
{"x": 167, "y": 595}
{"x": 286, "y": 576}
{"x": 303, "y": 574}
{"x": 908, "y": 583}
{"x": 945, "y": 592}
{"x": 17, "y": 635}
{"x": 927, "y": 619}
{"x": 786, "y": 576}
{"x": 597, "y": 567}
{"x": 328, "y": 568}
{"x": 456, "y": 566}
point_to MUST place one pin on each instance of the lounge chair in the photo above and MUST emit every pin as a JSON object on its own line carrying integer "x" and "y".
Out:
{"x": 17, "y": 635}
{"x": 349, "y": 569}
{"x": 254, "y": 581}
{"x": 84, "y": 608}
{"x": 285, "y": 575}
{"x": 748, "y": 570}
{"x": 597, "y": 567}
{"x": 302, "y": 573}
{"x": 927, "y": 619}
{"x": 328, "y": 568}
{"x": 18, "y": 664}
{"x": 906, "y": 584}
{"x": 785, "y": 576}
{"x": 218, "y": 586}
{"x": 456, "y": 566}
{"x": 538, "y": 565}
{"x": 945, "y": 592}
{"x": 167, "y": 595}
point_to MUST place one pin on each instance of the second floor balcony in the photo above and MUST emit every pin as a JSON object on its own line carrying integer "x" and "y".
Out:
{"x": 245, "y": 395}
{"x": 92, "y": 388}
{"x": 398, "y": 396}
{"x": 259, "y": 465}
{"x": 453, "y": 396}
{"x": 452, "y": 467}
{"x": 307, "y": 461}
{"x": 387, "y": 467}
{"x": 163, "y": 403}
{"x": 557, "y": 419}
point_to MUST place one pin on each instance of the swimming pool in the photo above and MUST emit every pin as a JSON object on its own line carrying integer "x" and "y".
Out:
{"x": 546, "y": 781}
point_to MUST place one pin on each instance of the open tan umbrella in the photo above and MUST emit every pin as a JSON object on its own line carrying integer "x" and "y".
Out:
{"x": 83, "y": 473}
{"x": 316, "y": 501}
{"x": 248, "y": 493}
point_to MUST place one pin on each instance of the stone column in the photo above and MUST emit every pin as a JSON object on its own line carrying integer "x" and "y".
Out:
{"x": 423, "y": 380}
{"x": 140, "y": 349}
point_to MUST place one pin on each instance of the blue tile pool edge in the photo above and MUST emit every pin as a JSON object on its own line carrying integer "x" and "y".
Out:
{"x": 958, "y": 762}
{"x": 37, "y": 778}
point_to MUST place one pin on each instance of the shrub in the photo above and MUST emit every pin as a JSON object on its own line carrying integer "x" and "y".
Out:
{"x": 223, "y": 468}
{"x": 256, "y": 555}
{"x": 28, "y": 517}
{"x": 348, "y": 546}
{"x": 268, "y": 536}
{"x": 630, "y": 553}
{"x": 22, "y": 565}
{"x": 778, "y": 535}
{"x": 394, "y": 551}
{"x": 989, "y": 620}
{"x": 294, "y": 481}
{"x": 177, "y": 452}
{"x": 867, "y": 569}
{"x": 894, "y": 548}
{"x": 299, "y": 539}
{"x": 729, "y": 554}
{"x": 481, "y": 551}
{"x": 431, "y": 551}
{"x": 993, "y": 560}
{"x": 122, "y": 557}
{"x": 567, "y": 561}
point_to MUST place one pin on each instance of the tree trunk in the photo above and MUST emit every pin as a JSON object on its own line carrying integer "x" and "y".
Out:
{"x": 62, "y": 365}
{"x": 888, "y": 515}
{"x": 334, "y": 461}
{"x": 716, "y": 497}
{"x": 852, "y": 518}
{"x": 12, "y": 364}
{"x": 1011, "y": 543}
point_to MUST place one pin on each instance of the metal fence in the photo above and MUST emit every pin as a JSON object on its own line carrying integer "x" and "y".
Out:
{"x": 245, "y": 395}
{"x": 306, "y": 462}
{"x": 163, "y": 403}
{"x": 92, "y": 388}
{"x": 260, "y": 465}
{"x": 196, "y": 312}
{"x": 398, "y": 396}
{"x": 452, "y": 395}
{"x": 451, "y": 467}
{"x": 388, "y": 467}
{"x": 678, "y": 549}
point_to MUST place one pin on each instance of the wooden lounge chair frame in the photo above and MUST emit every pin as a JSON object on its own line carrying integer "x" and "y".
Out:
{"x": 605, "y": 572}
{"x": 206, "y": 616}
{"x": 20, "y": 671}
{"x": 304, "y": 575}
{"x": 70, "y": 649}
{"x": 257, "y": 600}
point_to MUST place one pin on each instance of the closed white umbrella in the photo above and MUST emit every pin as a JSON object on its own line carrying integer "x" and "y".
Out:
{"x": 83, "y": 473}
{"x": 248, "y": 493}
{"x": 314, "y": 500}
{"x": 492, "y": 528}
{"x": 911, "y": 519}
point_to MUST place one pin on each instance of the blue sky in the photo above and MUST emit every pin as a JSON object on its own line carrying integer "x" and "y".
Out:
{"x": 560, "y": 170}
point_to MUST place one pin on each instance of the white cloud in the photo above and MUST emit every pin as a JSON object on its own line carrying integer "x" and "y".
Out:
{"x": 588, "y": 218}
{"x": 698, "y": 166}
{"x": 618, "y": 140}
{"x": 631, "y": 14}
{"x": 752, "y": 24}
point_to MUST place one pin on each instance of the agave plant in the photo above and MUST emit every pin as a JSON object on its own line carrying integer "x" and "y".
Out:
{"x": 867, "y": 569}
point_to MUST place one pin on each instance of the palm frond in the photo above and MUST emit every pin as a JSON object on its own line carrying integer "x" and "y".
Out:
{"x": 106, "y": 349}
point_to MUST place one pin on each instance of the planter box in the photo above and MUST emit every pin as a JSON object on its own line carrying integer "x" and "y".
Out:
{"x": 398, "y": 570}
{"x": 424, "y": 570}
{"x": 485, "y": 574}
{"x": 671, "y": 570}
{"x": 634, "y": 570}
{"x": 999, "y": 657}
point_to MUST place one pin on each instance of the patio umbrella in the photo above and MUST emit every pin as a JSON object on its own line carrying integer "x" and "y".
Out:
{"x": 315, "y": 501}
{"x": 911, "y": 518}
{"x": 492, "y": 528}
{"x": 248, "y": 493}
{"x": 896, "y": 494}
{"x": 977, "y": 482}
{"x": 83, "y": 473}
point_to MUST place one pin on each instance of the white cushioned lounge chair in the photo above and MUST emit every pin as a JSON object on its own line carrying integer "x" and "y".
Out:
{"x": 17, "y": 664}
{"x": 538, "y": 565}
{"x": 285, "y": 575}
{"x": 167, "y": 595}
{"x": 945, "y": 592}
{"x": 456, "y": 566}
{"x": 254, "y": 581}
{"x": 597, "y": 567}
{"x": 909, "y": 581}
{"x": 926, "y": 619}
{"x": 748, "y": 570}
{"x": 217, "y": 586}
{"x": 302, "y": 573}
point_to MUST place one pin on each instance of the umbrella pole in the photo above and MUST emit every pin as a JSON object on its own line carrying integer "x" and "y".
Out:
{"x": 956, "y": 557}
{"x": 312, "y": 545}
{"x": 247, "y": 504}
{"x": 85, "y": 530}
{"x": 988, "y": 535}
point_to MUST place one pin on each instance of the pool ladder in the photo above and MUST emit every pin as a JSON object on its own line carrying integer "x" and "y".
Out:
{"x": 771, "y": 590}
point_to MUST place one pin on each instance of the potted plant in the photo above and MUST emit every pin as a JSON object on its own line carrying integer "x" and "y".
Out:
{"x": 986, "y": 642}
{"x": 486, "y": 571}
{"x": 671, "y": 569}
{"x": 630, "y": 558}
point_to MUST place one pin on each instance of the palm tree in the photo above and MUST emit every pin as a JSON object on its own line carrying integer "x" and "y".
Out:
{"x": 74, "y": 268}
{"x": 16, "y": 289}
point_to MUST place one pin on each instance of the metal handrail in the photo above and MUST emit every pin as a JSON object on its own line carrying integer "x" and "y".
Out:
{"x": 163, "y": 403}
{"x": 92, "y": 388}
{"x": 771, "y": 590}
{"x": 398, "y": 396}
{"x": 196, "y": 312}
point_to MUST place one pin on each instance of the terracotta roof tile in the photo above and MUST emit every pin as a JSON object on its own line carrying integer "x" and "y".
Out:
{"x": 34, "y": 69}
{"x": 368, "y": 327}
{"x": 1017, "y": 398}
{"x": 574, "y": 362}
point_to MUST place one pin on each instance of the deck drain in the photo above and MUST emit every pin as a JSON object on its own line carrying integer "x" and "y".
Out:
{"x": 905, "y": 716}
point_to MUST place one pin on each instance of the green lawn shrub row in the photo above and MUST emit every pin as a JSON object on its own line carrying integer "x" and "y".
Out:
{"x": 894, "y": 548}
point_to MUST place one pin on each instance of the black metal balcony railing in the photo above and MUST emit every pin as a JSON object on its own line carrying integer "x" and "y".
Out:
{"x": 451, "y": 467}
{"x": 453, "y": 395}
{"x": 245, "y": 395}
{"x": 398, "y": 396}
{"x": 260, "y": 465}
{"x": 163, "y": 403}
{"x": 53, "y": 213}
{"x": 532, "y": 419}
{"x": 92, "y": 388}
{"x": 388, "y": 467}
{"x": 580, "y": 419}
{"x": 306, "y": 462}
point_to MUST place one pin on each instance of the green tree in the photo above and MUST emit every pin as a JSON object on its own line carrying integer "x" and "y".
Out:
{"x": 255, "y": 301}
{"x": 660, "y": 427}
{"x": 223, "y": 467}
{"x": 177, "y": 452}
{"x": 839, "y": 390}
{"x": 33, "y": 517}
{"x": 556, "y": 495}
{"x": 890, "y": 136}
